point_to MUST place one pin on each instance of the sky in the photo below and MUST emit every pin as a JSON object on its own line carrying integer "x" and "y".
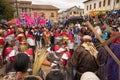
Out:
{"x": 61, "y": 4}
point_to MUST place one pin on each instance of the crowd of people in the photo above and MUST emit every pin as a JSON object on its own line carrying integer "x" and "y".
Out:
{"x": 73, "y": 51}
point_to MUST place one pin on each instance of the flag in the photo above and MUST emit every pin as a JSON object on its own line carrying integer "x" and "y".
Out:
{"x": 18, "y": 21}
{"x": 49, "y": 23}
{"x": 43, "y": 21}
{"x": 35, "y": 15}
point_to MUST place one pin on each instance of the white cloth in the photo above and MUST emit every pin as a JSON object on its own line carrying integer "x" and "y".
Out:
{"x": 31, "y": 41}
{"x": 99, "y": 31}
{"x": 78, "y": 25}
{"x": 12, "y": 53}
{"x": 60, "y": 50}
{"x": 65, "y": 56}
{"x": 78, "y": 40}
{"x": 48, "y": 49}
{"x": 9, "y": 38}
{"x": 70, "y": 45}
{"x": 58, "y": 39}
{"x": 89, "y": 76}
{"x": 119, "y": 29}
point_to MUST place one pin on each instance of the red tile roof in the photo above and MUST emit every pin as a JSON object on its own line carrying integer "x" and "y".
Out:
{"x": 87, "y": 1}
{"x": 44, "y": 7}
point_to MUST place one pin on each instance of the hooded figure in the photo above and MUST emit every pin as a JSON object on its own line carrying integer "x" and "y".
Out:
{"x": 84, "y": 58}
{"x": 112, "y": 66}
{"x": 101, "y": 59}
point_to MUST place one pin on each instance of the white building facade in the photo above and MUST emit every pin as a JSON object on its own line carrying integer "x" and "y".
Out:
{"x": 71, "y": 12}
{"x": 100, "y": 5}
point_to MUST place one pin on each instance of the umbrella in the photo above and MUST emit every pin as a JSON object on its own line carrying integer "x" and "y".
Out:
{"x": 12, "y": 21}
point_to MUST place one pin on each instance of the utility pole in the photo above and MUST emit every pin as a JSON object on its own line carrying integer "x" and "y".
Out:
{"x": 17, "y": 8}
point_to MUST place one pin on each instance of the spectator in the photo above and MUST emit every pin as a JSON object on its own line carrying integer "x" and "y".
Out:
{"x": 112, "y": 66}
{"x": 84, "y": 57}
{"x": 21, "y": 64}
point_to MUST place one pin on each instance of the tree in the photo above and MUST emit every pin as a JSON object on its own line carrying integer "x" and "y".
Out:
{"x": 6, "y": 10}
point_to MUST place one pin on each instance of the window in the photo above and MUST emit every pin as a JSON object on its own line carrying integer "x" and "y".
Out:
{"x": 104, "y": 2}
{"x": 99, "y": 4}
{"x": 74, "y": 12}
{"x": 109, "y": 2}
{"x": 22, "y": 9}
{"x": 77, "y": 12}
{"x": 87, "y": 7}
{"x": 94, "y": 5}
{"x": 25, "y": 9}
{"x": 52, "y": 14}
{"x": 90, "y": 7}
{"x": 80, "y": 13}
{"x": 117, "y": 1}
{"x": 29, "y": 10}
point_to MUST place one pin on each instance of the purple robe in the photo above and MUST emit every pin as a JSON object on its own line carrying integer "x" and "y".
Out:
{"x": 102, "y": 59}
{"x": 112, "y": 66}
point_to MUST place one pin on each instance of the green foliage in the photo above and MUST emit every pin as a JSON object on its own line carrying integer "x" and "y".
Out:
{"x": 6, "y": 10}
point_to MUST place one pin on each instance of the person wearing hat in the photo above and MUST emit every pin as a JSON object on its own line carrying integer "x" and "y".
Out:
{"x": 38, "y": 37}
{"x": 8, "y": 53}
{"x": 31, "y": 40}
{"x": 10, "y": 32}
{"x": 20, "y": 36}
{"x": 21, "y": 66}
{"x": 84, "y": 57}
{"x": 23, "y": 46}
{"x": 31, "y": 46}
{"x": 47, "y": 37}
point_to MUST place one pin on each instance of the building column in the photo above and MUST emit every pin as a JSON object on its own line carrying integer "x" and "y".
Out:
{"x": 112, "y": 4}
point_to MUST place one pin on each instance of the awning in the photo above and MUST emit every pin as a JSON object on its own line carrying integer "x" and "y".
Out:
{"x": 94, "y": 13}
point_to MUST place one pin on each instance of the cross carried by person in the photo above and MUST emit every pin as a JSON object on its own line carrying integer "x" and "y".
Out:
{"x": 104, "y": 44}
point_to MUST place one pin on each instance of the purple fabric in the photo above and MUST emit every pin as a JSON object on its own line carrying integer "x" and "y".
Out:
{"x": 102, "y": 59}
{"x": 112, "y": 66}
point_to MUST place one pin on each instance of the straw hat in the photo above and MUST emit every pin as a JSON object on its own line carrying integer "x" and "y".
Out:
{"x": 86, "y": 38}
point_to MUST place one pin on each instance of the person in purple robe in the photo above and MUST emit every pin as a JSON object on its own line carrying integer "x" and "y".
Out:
{"x": 112, "y": 66}
{"x": 101, "y": 59}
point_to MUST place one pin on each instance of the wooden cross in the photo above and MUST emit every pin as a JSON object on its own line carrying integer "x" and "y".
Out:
{"x": 109, "y": 40}
{"x": 108, "y": 27}
{"x": 104, "y": 44}
{"x": 102, "y": 41}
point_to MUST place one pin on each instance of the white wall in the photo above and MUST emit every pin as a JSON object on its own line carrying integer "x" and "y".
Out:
{"x": 106, "y": 7}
